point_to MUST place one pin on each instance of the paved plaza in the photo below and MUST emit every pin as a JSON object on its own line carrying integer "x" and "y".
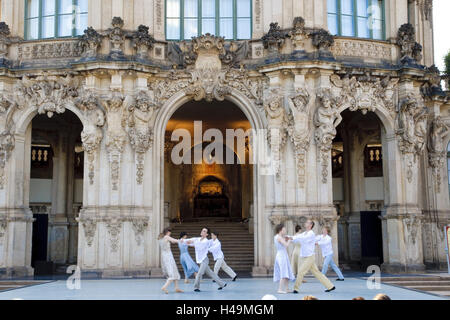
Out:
{"x": 242, "y": 289}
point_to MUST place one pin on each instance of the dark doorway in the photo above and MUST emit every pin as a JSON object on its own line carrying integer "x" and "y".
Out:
{"x": 371, "y": 239}
{"x": 39, "y": 246}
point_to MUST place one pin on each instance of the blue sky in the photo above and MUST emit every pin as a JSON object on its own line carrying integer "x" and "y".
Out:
{"x": 441, "y": 31}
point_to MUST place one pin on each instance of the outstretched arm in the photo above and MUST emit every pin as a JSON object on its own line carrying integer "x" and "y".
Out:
{"x": 171, "y": 240}
{"x": 283, "y": 241}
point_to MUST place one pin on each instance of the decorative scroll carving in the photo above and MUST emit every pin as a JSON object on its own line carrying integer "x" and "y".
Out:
{"x": 326, "y": 120}
{"x": 114, "y": 226}
{"x": 362, "y": 48}
{"x": 426, "y": 8}
{"x": 139, "y": 130}
{"x": 142, "y": 41}
{"x": 50, "y": 94}
{"x": 277, "y": 127}
{"x": 411, "y": 129}
{"x": 322, "y": 39}
{"x": 115, "y": 134}
{"x": 411, "y": 51}
{"x": 3, "y": 226}
{"x": 365, "y": 95}
{"x": 413, "y": 226}
{"x": 6, "y": 146}
{"x": 299, "y": 130}
{"x": 89, "y": 227}
{"x": 274, "y": 39}
{"x": 208, "y": 84}
{"x": 90, "y": 42}
{"x": 92, "y": 134}
{"x": 139, "y": 226}
{"x": 436, "y": 149}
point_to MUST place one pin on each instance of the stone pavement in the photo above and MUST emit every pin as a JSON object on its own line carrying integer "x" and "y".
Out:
{"x": 242, "y": 289}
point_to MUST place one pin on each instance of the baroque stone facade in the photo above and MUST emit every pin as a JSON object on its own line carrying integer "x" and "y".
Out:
{"x": 293, "y": 79}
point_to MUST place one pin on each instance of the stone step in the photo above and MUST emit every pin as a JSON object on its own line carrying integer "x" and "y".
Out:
{"x": 421, "y": 283}
{"x": 442, "y": 293}
{"x": 410, "y": 278}
{"x": 430, "y": 288}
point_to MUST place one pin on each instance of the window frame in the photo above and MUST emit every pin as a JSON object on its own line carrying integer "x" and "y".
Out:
{"x": 355, "y": 20}
{"x": 56, "y": 16}
{"x": 217, "y": 19}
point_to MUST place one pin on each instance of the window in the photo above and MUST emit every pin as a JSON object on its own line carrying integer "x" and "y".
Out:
{"x": 357, "y": 18}
{"x": 55, "y": 18}
{"x": 190, "y": 18}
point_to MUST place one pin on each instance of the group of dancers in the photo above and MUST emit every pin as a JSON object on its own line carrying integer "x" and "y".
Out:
{"x": 303, "y": 257}
{"x": 202, "y": 246}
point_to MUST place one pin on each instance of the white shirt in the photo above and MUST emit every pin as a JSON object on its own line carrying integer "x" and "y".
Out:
{"x": 201, "y": 248}
{"x": 325, "y": 244}
{"x": 308, "y": 241}
{"x": 216, "y": 249}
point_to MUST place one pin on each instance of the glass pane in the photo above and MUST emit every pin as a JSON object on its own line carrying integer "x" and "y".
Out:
{"x": 361, "y": 8}
{"x": 332, "y": 6}
{"x": 33, "y": 8}
{"x": 226, "y": 8}
{"x": 191, "y": 8}
{"x": 173, "y": 29}
{"x": 208, "y": 8}
{"x": 209, "y": 26}
{"x": 82, "y": 6}
{"x": 173, "y": 8}
{"x": 347, "y": 26}
{"x": 65, "y": 25}
{"x": 65, "y": 6}
{"x": 226, "y": 28}
{"x": 243, "y": 28}
{"x": 378, "y": 29}
{"x": 375, "y": 9}
{"x": 243, "y": 8}
{"x": 363, "y": 31}
{"x": 48, "y": 27}
{"x": 33, "y": 29}
{"x": 48, "y": 7}
{"x": 81, "y": 23}
{"x": 347, "y": 6}
{"x": 333, "y": 24}
{"x": 190, "y": 28}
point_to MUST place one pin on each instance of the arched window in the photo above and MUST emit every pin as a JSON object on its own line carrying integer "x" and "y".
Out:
{"x": 46, "y": 19}
{"x": 231, "y": 19}
{"x": 357, "y": 18}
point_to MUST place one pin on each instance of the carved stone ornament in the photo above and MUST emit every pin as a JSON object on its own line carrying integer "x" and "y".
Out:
{"x": 298, "y": 34}
{"x": 139, "y": 226}
{"x": 3, "y": 226}
{"x": 89, "y": 228}
{"x": 5, "y": 40}
{"x": 326, "y": 120}
{"x": 426, "y": 8}
{"x": 6, "y": 147}
{"x": 413, "y": 227}
{"x": 437, "y": 154}
{"x": 298, "y": 130}
{"x": 411, "y": 51}
{"x": 322, "y": 40}
{"x": 92, "y": 133}
{"x": 142, "y": 41}
{"x": 411, "y": 129}
{"x": 115, "y": 134}
{"x": 90, "y": 42}
{"x": 49, "y": 94}
{"x": 277, "y": 120}
{"x": 140, "y": 131}
{"x": 365, "y": 95}
{"x": 274, "y": 39}
{"x": 116, "y": 36}
{"x": 114, "y": 227}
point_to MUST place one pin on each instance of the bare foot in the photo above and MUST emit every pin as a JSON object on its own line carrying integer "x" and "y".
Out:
{"x": 165, "y": 290}
{"x": 186, "y": 281}
{"x": 179, "y": 290}
{"x": 282, "y": 292}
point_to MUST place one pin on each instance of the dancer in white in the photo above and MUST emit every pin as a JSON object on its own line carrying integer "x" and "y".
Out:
{"x": 282, "y": 270}
{"x": 169, "y": 267}
{"x": 219, "y": 258}
{"x": 307, "y": 258}
{"x": 202, "y": 245}
{"x": 325, "y": 243}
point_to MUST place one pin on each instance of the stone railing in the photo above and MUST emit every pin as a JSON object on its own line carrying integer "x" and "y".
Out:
{"x": 362, "y": 48}
{"x": 48, "y": 49}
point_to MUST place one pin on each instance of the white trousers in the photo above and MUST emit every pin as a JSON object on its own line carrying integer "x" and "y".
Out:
{"x": 220, "y": 263}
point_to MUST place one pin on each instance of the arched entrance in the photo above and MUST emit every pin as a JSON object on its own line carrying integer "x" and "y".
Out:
{"x": 56, "y": 162}
{"x": 250, "y": 215}
{"x": 359, "y": 191}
